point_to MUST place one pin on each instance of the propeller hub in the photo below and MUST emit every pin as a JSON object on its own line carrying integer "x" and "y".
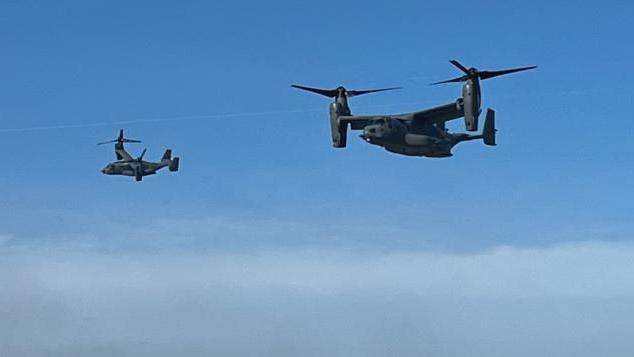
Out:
{"x": 341, "y": 92}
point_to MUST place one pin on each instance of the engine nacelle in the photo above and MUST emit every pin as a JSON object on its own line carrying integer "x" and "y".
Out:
{"x": 471, "y": 104}
{"x": 338, "y": 130}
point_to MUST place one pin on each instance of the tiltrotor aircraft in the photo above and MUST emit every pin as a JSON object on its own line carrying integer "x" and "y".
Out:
{"x": 126, "y": 165}
{"x": 421, "y": 133}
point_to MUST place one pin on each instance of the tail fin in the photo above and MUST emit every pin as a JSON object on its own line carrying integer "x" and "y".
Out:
{"x": 488, "y": 132}
{"x": 167, "y": 156}
{"x": 173, "y": 165}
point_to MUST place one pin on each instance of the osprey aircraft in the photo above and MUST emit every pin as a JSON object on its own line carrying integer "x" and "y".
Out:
{"x": 126, "y": 165}
{"x": 421, "y": 133}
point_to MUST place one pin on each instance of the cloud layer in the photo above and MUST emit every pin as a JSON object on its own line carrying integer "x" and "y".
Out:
{"x": 572, "y": 300}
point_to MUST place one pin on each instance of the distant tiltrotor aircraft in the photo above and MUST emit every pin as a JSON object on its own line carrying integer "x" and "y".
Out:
{"x": 126, "y": 165}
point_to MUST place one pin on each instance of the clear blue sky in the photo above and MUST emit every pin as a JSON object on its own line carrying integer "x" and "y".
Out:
{"x": 562, "y": 170}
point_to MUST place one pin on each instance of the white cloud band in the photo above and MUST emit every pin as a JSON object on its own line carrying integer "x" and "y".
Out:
{"x": 572, "y": 300}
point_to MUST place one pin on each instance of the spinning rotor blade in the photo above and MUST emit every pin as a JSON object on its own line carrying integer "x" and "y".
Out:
{"x": 473, "y": 73}
{"x": 120, "y": 139}
{"x": 491, "y": 74}
{"x": 140, "y": 158}
{"x": 459, "y": 79}
{"x": 108, "y": 142}
{"x": 352, "y": 93}
{"x": 333, "y": 93}
{"x": 460, "y": 66}
{"x": 330, "y": 93}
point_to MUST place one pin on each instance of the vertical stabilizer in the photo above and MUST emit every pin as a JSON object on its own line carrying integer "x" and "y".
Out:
{"x": 488, "y": 132}
{"x": 167, "y": 156}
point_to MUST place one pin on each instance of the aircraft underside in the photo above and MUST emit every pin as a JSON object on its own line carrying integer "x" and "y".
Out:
{"x": 132, "y": 173}
{"x": 425, "y": 146}
{"x": 409, "y": 150}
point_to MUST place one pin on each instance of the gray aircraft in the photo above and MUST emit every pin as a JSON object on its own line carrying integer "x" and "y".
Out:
{"x": 126, "y": 165}
{"x": 421, "y": 133}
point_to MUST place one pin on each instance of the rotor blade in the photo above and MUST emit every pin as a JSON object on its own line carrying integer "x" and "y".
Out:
{"x": 330, "y": 93}
{"x": 352, "y": 93}
{"x": 458, "y": 79}
{"x": 460, "y": 66}
{"x": 142, "y": 154}
{"x": 108, "y": 142}
{"x": 491, "y": 74}
{"x": 119, "y": 141}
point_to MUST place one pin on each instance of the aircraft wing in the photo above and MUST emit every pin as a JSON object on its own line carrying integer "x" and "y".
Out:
{"x": 358, "y": 122}
{"x": 439, "y": 114}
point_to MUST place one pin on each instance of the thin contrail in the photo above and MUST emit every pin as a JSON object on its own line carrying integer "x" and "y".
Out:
{"x": 177, "y": 118}
{"x": 154, "y": 120}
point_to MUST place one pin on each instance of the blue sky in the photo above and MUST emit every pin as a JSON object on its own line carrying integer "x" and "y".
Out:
{"x": 561, "y": 171}
{"x": 268, "y": 234}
